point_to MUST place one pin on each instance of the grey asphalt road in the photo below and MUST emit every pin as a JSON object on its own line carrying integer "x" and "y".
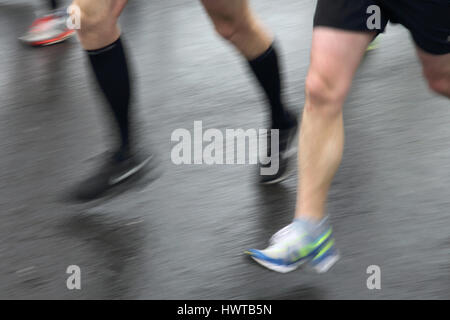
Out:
{"x": 183, "y": 236}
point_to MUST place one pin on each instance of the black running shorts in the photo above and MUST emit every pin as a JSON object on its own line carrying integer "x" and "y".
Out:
{"x": 427, "y": 20}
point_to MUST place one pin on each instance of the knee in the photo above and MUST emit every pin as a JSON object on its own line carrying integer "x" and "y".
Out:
{"x": 98, "y": 23}
{"x": 438, "y": 82}
{"x": 228, "y": 26}
{"x": 325, "y": 94}
{"x": 94, "y": 18}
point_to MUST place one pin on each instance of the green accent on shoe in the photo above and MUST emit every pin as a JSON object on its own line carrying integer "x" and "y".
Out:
{"x": 303, "y": 252}
{"x": 325, "y": 249}
{"x": 373, "y": 45}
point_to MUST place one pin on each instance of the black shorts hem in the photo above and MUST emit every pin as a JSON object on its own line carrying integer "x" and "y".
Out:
{"x": 431, "y": 47}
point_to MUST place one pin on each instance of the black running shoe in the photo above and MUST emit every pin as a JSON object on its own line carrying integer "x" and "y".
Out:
{"x": 117, "y": 170}
{"x": 287, "y": 149}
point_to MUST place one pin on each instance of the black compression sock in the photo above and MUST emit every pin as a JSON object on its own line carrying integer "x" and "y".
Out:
{"x": 266, "y": 70}
{"x": 111, "y": 70}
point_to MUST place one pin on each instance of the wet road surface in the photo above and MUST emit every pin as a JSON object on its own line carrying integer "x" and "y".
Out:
{"x": 183, "y": 236}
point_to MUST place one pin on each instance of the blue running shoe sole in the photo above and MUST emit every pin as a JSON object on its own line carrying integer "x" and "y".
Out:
{"x": 320, "y": 263}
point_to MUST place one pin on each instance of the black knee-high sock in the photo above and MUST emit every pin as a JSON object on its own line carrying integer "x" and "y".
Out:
{"x": 111, "y": 70}
{"x": 266, "y": 70}
{"x": 54, "y": 4}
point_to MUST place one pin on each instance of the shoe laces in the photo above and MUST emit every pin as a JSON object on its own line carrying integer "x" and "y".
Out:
{"x": 43, "y": 24}
{"x": 283, "y": 234}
